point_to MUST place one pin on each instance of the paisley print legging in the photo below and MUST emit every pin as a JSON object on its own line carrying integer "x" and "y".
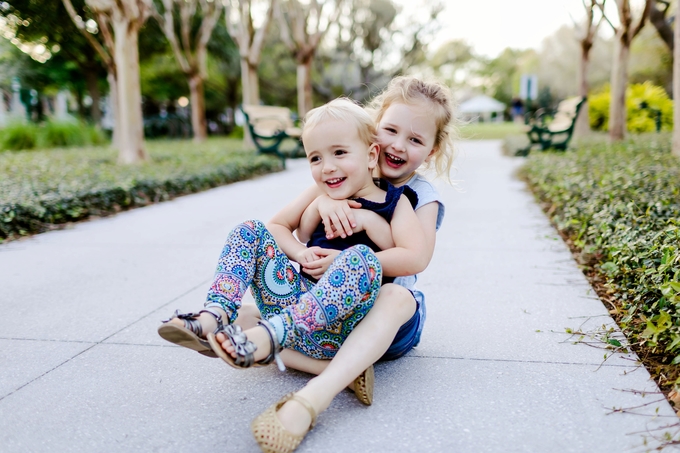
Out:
{"x": 316, "y": 318}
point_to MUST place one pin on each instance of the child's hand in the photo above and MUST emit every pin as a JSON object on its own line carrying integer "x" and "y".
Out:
{"x": 309, "y": 255}
{"x": 317, "y": 268}
{"x": 337, "y": 216}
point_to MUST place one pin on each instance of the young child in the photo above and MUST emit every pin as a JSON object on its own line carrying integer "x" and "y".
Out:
{"x": 416, "y": 127}
{"x": 312, "y": 318}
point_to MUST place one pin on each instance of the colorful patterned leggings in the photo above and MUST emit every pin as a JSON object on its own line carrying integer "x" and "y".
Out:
{"x": 315, "y": 318}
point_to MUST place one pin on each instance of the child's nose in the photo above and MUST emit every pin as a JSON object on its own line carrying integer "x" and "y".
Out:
{"x": 399, "y": 144}
{"x": 328, "y": 167}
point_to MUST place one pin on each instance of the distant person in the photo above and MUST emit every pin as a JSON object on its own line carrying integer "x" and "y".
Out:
{"x": 517, "y": 110}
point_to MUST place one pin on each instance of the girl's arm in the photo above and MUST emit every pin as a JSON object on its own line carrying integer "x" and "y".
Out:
{"x": 413, "y": 235}
{"x": 287, "y": 220}
{"x": 406, "y": 257}
{"x": 336, "y": 215}
{"x": 414, "y": 242}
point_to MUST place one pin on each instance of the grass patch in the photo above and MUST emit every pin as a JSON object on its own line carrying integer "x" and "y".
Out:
{"x": 618, "y": 207}
{"x": 44, "y": 188}
{"x": 490, "y": 131}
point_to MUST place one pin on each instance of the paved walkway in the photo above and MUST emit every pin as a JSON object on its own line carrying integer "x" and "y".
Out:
{"x": 83, "y": 370}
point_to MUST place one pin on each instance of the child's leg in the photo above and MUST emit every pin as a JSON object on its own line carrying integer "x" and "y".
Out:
{"x": 363, "y": 347}
{"x": 346, "y": 292}
{"x": 250, "y": 255}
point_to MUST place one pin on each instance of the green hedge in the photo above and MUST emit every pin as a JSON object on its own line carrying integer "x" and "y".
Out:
{"x": 620, "y": 205}
{"x": 41, "y": 189}
{"x": 50, "y": 134}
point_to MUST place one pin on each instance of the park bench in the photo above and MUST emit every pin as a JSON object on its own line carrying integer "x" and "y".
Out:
{"x": 270, "y": 126}
{"x": 552, "y": 130}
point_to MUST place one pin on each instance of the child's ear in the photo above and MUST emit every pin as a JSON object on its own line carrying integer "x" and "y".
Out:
{"x": 373, "y": 153}
{"x": 432, "y": 153}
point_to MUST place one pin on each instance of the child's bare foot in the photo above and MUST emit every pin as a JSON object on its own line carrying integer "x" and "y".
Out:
{"x": 257, "y": 335}
{"x": 256, "y": 346}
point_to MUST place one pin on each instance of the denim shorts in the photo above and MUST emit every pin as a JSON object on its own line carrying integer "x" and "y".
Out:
{"x": 406, "y": 337}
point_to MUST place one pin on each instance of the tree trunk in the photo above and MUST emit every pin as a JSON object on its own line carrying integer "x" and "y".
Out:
{"x": 304, "y": 87}
{"x": 676, "y": 88}
{"x": 251, "y": 95}
{"x": 92, "y": 83}
{"x": 198, "y": 121}
{"x": 619, "y": 81}
{"x": 658, "y": 18}
{"x": 131, "y": 127}
{"x": 253, "y": 84}
{"x": 582, "y": 127}
{"x": 115, "y": 110}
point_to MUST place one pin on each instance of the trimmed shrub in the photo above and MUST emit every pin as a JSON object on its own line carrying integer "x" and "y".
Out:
{"x": 51, "y": 134}
{"x": 637, "y": 119}
{"x": 62, "y": 134}
{"x": 18, "y": 135}
{"x": 42, "y": 189}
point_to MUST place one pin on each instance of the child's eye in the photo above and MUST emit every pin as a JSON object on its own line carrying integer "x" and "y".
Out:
{"x": 314, "y": 159}
{"x": 340, "y": 152}
{"x": 416, "y": 141}
{"x": 390, "y": 129}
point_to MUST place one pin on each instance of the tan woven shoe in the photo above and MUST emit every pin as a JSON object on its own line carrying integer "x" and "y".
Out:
{"x": 271, "y": 435}
{"x": 363, "y": 386}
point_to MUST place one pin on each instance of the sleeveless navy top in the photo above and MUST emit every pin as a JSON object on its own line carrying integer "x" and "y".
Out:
{"x": 384, "y": 209}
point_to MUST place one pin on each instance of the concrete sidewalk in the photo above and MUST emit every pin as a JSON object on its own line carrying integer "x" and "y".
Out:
{"x": 82, "y": 368}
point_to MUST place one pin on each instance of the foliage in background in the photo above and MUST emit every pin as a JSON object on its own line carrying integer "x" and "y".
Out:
{"x": 620, "y": 207}
{"x": 638, "y": 119}
{"x": 490, "y": 131}
{"x": 18, "y": 136}
{"x": 43, "y": 188}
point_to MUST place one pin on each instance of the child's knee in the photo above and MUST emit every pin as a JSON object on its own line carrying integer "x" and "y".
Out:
{"x": 361, "y": 256}
{"x": 396, "y": 299}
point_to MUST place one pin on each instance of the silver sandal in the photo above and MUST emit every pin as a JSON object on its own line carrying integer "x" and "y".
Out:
{"x": 245, "y": 348}
{"x": 191, "y": 334}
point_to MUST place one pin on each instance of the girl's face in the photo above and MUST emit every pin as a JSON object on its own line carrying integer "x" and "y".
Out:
{"x": 406, "y": 135}
{"x": 340, "y": 161}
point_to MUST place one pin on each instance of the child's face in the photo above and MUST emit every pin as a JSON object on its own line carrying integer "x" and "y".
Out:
{"x": 406, "y": 135}
{"x": 340, "y": 161}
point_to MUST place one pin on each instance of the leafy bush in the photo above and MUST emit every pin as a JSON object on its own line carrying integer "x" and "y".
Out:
{"x": 236, "y": 132}
{"x": 638, "y": 119}
{"x": 18, "y": 135}
{"x": 61, "y": 134}
{"x": 44, "y": 188}
{"x": 620, "y": 206}
{"x": 52, "y": 134}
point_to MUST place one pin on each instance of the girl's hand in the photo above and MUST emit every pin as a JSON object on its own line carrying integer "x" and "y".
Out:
{"x": 318, "y": 267}
{"x": 308, "y": 255}
{"x": 337, "y": 216}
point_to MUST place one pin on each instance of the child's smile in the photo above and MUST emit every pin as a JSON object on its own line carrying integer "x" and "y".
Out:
{"x": 335, "y": 182}
{"x": 340, "y": 161}
{"x": 393, "y": 161}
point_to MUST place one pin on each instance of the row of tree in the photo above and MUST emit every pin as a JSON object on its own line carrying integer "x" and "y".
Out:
{"x": 105, "y": 36}
{"x": 262, "y": 42}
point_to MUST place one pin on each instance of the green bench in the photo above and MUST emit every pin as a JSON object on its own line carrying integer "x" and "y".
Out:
{"x": 271, "y": 127}
{"x": 553, "y": 130}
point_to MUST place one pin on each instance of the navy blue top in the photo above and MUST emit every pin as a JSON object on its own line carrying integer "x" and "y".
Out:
{"x": 384, "y": 209}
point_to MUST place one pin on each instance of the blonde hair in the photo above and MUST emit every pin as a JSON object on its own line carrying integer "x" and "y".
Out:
{"x": 412, "y": 91}
{"x": 346, "y": 110}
